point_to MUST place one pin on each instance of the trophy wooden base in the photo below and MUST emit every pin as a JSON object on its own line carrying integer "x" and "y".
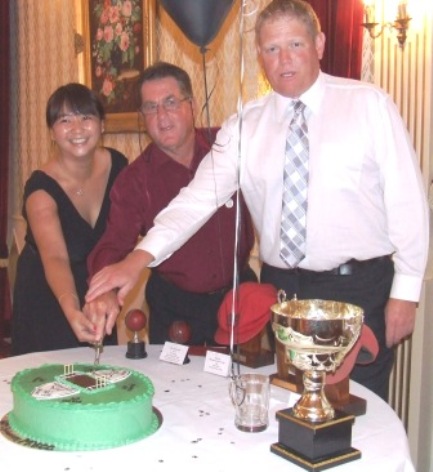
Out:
{"x": 258, "y": 351}
{"x": 254, "y": 359}
{"x": 250, "y": 358}
{"x": 136, "y": 350}
{"x": 292, "y": 382}
{"x": 202, "y": 350}
{"x": 350, "y": 404}
{"x": 315, "y": 446}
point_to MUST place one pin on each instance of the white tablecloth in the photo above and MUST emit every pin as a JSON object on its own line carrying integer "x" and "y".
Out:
{"x": 198, "y": 432}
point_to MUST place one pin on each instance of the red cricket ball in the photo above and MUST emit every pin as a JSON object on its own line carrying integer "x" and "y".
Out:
{"x": 135, "y": 319}
{"x": 179, "y": 332}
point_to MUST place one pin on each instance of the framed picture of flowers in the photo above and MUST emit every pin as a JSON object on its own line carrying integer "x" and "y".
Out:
{"x": 119, "y": 42}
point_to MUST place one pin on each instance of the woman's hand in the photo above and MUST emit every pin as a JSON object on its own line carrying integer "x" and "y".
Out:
{"x": 84, "y": 329}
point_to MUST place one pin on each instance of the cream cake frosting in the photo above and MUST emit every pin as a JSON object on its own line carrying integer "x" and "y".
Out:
{"x": 82, "y": 407}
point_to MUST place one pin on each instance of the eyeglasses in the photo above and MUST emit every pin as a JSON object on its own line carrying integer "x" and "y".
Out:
{"x": 170, "y": 104}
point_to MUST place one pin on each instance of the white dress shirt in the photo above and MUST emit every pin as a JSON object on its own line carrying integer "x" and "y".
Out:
{"x": 365, "y": 196}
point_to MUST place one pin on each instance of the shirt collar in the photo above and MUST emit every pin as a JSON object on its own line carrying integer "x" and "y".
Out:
{"x": 311, "y": 98}
{"x": 282, "y": 106}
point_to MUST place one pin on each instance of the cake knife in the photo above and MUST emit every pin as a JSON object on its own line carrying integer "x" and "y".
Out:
{"x": 98, "y": 349}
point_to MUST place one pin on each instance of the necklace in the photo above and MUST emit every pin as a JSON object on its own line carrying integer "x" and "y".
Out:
{"x": 78, "y": 191}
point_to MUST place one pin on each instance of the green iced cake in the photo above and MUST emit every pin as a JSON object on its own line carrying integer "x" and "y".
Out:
{"x": 82, "y": 407}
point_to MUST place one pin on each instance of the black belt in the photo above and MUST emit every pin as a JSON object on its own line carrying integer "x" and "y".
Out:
{"x": 348, "y": 268}
{"x": 353, "y": 266}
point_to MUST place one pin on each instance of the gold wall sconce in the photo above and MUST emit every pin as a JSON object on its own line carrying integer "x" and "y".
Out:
{"x": 400, "y": 24}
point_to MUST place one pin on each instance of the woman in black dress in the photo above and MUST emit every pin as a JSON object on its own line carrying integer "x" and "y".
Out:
{"x": 66, "y": 204}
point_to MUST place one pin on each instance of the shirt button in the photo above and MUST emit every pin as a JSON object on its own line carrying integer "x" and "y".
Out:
{"x": 229, "y": 203}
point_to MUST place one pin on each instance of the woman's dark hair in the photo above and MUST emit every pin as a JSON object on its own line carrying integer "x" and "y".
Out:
{"x": 76, "y": 98}
{"x": 162, "y": 70}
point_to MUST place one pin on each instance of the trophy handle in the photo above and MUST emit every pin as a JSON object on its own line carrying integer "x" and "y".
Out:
{"x": 281, "y": 296}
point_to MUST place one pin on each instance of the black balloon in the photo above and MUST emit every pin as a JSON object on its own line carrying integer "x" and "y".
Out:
{"x": 199, "y": 20}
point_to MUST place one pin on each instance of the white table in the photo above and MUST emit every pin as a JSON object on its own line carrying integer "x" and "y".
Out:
{"x": 198, "y": 431}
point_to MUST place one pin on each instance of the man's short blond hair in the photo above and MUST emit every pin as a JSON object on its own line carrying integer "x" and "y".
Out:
{"x": 299, "y": 9}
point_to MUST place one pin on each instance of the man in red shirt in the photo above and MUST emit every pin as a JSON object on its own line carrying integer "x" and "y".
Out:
{"x": 189, "y": 285}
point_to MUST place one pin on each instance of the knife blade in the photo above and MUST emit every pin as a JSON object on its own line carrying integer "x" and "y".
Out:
{"x": 98, "y": 350}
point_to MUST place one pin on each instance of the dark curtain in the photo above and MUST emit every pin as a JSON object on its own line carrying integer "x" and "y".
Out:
{"x": 341, "y": 22}
{"x": 5, "y": 305}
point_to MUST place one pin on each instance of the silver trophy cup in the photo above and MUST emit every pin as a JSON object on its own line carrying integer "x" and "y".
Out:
{"x": 316, "y": 335}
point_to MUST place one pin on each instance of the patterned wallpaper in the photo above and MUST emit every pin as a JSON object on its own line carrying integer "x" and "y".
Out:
{"x": 44, "y": 58}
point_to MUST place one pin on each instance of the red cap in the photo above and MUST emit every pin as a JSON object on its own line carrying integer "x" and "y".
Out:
{"x": 364, "y": 351}
{"x": 254, "y": 301}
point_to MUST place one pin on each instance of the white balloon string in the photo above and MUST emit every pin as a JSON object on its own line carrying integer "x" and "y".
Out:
{"x": 203, "y": 51}
{"x": 235, "y": 292}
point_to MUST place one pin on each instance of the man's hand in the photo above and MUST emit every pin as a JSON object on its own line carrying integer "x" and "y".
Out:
{"x": 103, "y": 312}
{"x": 123, "y": 275}
{"x": 400, "y": 320}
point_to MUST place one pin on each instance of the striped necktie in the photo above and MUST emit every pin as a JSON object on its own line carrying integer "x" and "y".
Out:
{"x": 294, "y": 210}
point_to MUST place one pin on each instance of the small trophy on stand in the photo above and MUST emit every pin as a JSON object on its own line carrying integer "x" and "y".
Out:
{"x": 180, "y": 333}
{"x": 316, "y": 335}
{"x": 135, "y": 321}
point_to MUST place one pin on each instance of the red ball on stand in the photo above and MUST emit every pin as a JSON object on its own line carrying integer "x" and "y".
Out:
{"x": 179, "y": 332}
{"x": 136, "y": 320}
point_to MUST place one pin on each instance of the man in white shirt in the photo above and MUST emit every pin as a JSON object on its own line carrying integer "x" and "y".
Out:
{"x": 367, "y": 217}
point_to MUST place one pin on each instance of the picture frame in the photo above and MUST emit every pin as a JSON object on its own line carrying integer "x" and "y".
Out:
{"x": 118, "y": 43}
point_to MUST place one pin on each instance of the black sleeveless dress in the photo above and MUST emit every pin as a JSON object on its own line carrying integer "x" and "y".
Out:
{"x": 38, "y": 322}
